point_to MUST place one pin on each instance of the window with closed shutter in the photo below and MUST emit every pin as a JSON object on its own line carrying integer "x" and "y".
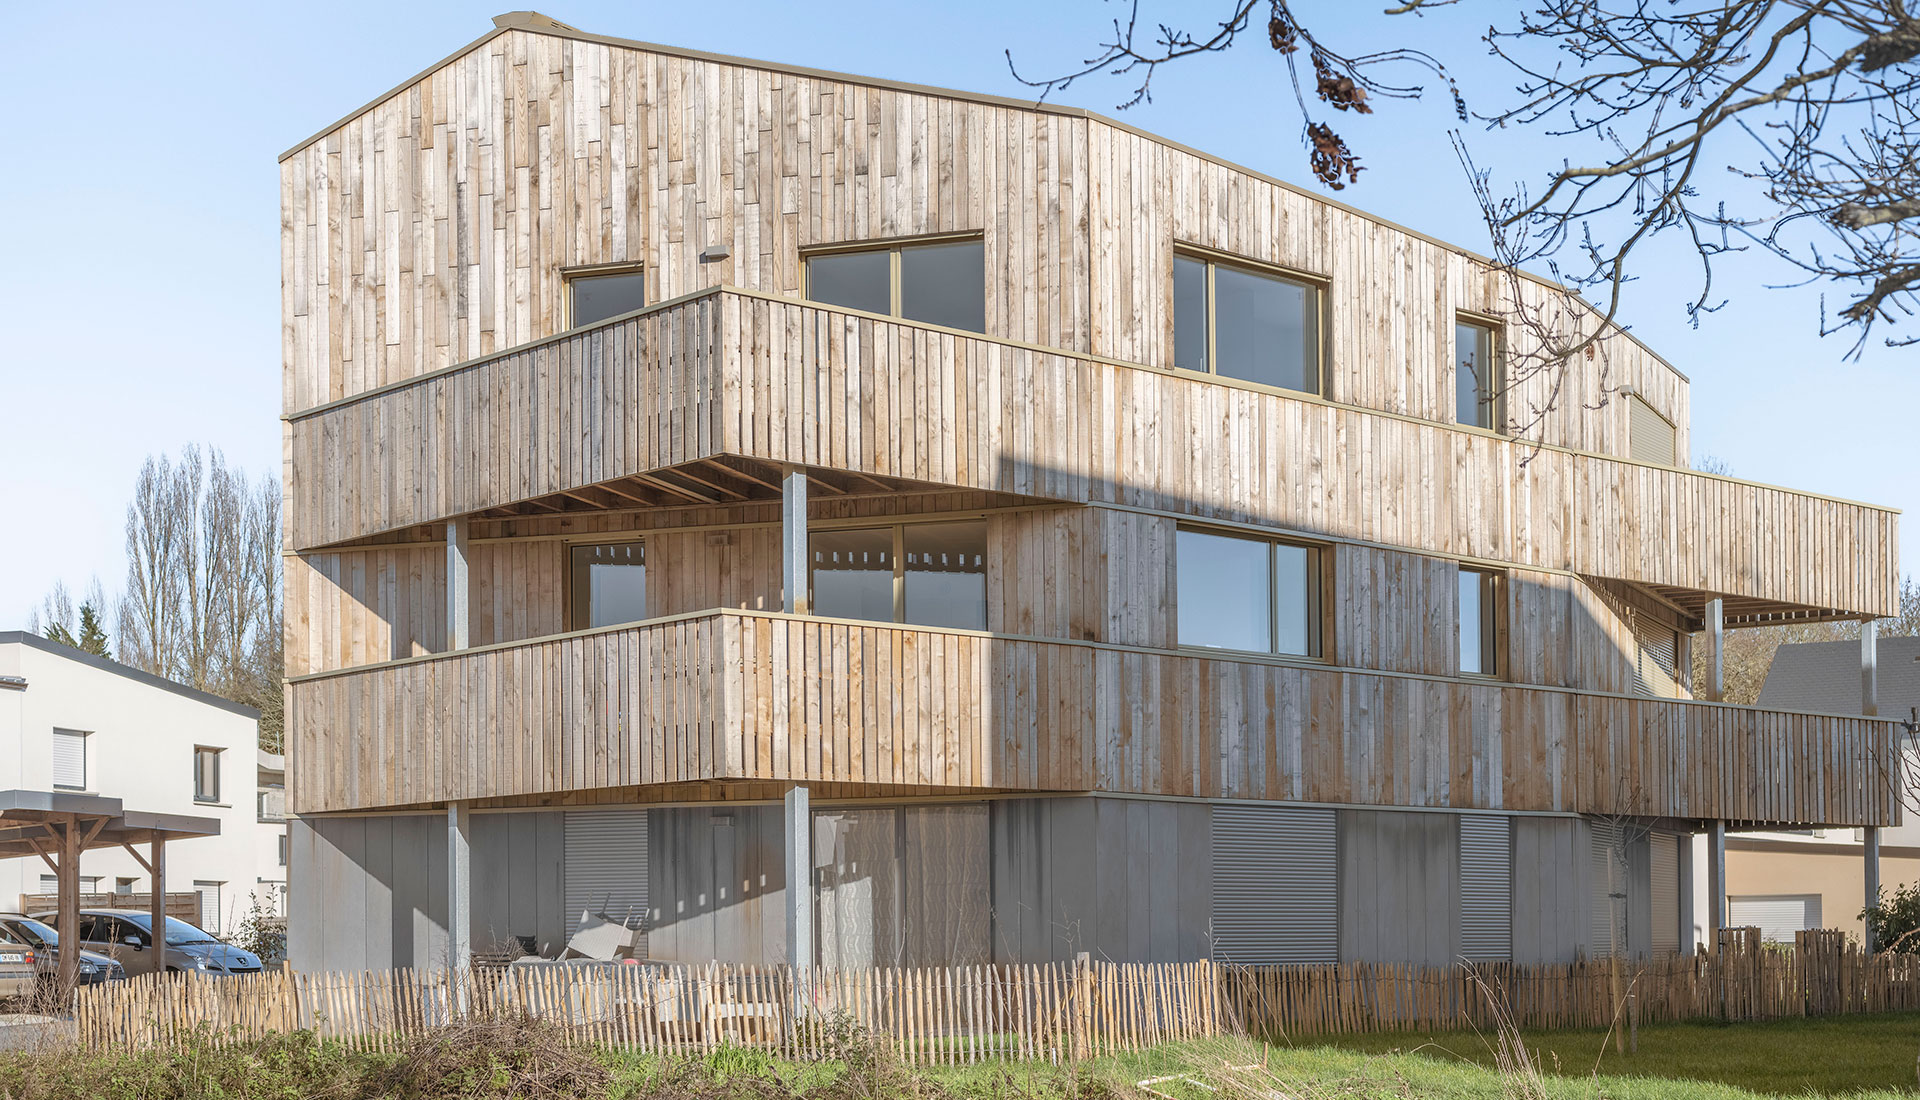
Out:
{"x": 606, "y": 866}
{"x": 1274, "y": 896}
{"x": 1650, "y": 436}
{"x": 1486, "y": 888}
{"x": 1663, "y": 868}
{"x": 1778, "y": 916}
{"x": 69, "y": 760}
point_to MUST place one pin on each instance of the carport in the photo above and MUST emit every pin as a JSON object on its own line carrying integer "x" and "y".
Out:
{"x": 58, "y": 825}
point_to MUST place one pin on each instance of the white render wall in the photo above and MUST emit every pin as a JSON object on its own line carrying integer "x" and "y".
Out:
{"x": 140, "y": 749}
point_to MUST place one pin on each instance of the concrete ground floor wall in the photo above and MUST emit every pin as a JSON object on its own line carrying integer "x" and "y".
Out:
{"x": 1004, "y": 880}
{"x": 1770, "y": 879}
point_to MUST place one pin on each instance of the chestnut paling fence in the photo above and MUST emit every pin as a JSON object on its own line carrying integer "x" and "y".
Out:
{"x": 1053, "y": 1012}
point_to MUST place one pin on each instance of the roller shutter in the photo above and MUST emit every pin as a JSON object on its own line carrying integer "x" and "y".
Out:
{"x": 1778, "y": 916}
{"x": 1274, "y": 897}
{"x": 1486, "y": 888}
{"x": 606, "y": 872}
{"x": 69, "y": 760}
{"x": 1609, "y": 890}
{"x": 1663, "y": 862}
{"x": 1650, "y": 436}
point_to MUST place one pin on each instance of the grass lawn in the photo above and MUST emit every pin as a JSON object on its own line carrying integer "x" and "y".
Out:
{"x": 1840, "y": 1056}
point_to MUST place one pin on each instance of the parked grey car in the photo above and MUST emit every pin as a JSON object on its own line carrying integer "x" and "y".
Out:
{"x": 125, "y": 935}
{"x": 45, "y": 942}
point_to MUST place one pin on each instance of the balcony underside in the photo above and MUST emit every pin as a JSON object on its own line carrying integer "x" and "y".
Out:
{"x": 761, "y": 700}
{"x": 701, "y": 398}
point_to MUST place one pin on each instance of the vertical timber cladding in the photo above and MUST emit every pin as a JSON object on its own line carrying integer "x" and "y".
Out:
{"x": 606, "y": 867}
{"x": 1486, "y": 887}
{"x": 1275, "y": 895}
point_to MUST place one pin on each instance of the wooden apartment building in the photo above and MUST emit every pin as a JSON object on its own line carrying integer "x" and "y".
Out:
{"x": 816, "y": 517}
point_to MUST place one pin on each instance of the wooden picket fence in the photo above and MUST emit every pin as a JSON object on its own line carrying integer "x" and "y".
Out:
{"x": 970, "y": 1013}
{"x": 934, "y": 1015}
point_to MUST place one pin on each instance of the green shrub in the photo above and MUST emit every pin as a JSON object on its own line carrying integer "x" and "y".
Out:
{"x": 1894, "y": 922}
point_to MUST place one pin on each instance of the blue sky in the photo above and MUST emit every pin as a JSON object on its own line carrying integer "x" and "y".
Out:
{"x": 140, "y": 288}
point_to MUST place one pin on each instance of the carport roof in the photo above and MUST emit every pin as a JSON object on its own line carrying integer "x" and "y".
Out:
{"x": 24, "y": 815}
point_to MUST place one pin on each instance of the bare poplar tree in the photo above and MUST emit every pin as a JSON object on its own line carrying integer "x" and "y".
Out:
{"x": 202, "y": 604}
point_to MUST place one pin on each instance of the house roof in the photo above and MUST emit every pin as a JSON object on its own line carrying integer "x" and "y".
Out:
{"x": 35, "y": 641}
{"x": 1824, "y": 677}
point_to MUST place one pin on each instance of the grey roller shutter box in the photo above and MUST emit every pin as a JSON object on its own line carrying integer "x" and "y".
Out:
{"x": 1274, "y": 896}
{"x": 69, "y": 760}
{"x": 1650, "y": 437}
{"x": 1663, "y": 862}
{"x": 1486, "y": 888}
{"x": 1778, "y": 917}
{"x": 1609, "y": 890}
{"x": 606, "y": 866}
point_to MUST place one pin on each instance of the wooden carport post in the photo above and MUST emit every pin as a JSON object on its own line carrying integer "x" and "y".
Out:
{"x": 68, "y": 921}
{"x": 157, "y": 898}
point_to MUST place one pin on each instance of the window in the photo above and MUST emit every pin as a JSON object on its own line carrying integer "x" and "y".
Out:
{"x": 594, "y": 296}
{"x": 1476, "y": 374}
{"x": 1479, "y": 622}
{"x": 123, "y": 886}
{"x": 939, "y": 282}
{"x": 69, "y": 760}
{"x": 608, "y": 584}
{"x": 206, "y": 775}
{"x": 1650, "y": 436}
{"x": 1250, "y": 594}
{"x": 1240, "y": 322}
{"x": 283, "y": 849}
{"x": 930, "y": 574}
{"x": 210, "y": 911}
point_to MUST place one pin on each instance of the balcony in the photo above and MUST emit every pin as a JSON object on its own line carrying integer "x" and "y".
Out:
{"x": 746, "y": 697}
{"x": 687, "y": 401}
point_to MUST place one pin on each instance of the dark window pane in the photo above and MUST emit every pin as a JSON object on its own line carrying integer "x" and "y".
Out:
{"x": 1189, "y": 314}
{"x": 946, "y": 574}
{"x": 609, "y": 584}
{"x": 1473, "y": 379}
{"x": 856, "y": 280}
{"x": 853, "y": 574}
{"x": 1296, "y": 601}
{"x": 945, "y": 284}
{"x": 598, "y": 297}
{"x": 1472, "y": 612}
{"x": 1224, "y": 592}
{"x": 1265, "y": 329}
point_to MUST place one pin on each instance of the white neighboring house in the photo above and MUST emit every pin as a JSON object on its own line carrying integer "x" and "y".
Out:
{"x": 70, "y": 721}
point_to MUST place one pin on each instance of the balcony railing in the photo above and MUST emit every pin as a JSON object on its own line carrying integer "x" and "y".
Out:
{"x": 732, "y": 372}
{"x": 754, "y": 696}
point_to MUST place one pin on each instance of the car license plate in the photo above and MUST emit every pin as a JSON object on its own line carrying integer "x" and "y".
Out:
{"x": 10, "y": 957}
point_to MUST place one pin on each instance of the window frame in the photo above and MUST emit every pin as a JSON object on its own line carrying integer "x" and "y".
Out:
{"x": 899, "y": 555}
{"x": 1493, "y": 624}
{"x": 570, "y": 614}
{"x": 1214, "y": 258}
{"x": 1320, "y": 641}
{"x": 1497, "y": 348}
{"x": 199, "y": 797}
{"x": 893, "y": 246}
{"x": 592, "y": 271}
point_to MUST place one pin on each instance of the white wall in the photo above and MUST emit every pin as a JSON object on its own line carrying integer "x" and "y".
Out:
{"x": 140, "y": 749}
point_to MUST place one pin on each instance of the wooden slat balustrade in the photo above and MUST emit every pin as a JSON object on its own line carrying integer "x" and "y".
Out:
{"x": 732, "y": 372}
{"x": 739, "y": 695}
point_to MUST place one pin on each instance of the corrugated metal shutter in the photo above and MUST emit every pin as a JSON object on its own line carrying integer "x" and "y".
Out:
{"x": 1663, "y": 869}
{"x": 1486, "y": 887}
{"x": 1777, "y": 917}
{"x": 606, "y": 866}
{"x": 1609, "y": 890}
{"x": 70, "y": 760}
{"x": 1274, "y": 897}
{"x": 1650, "y": 438}
{"x": 1656, "y": 658}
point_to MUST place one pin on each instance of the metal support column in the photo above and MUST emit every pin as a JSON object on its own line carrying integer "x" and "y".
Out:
{"x": 459, "y": 587}
{"x": 1716, "y": 650}
{"x": 459, "y": 887}
{"x": 1716, "y": 883}
{"x": 1872, "y": 854}
{"x": 1869, "y": 668}
{"x": 793, "y": 541}
{"x": 799, "y": 869}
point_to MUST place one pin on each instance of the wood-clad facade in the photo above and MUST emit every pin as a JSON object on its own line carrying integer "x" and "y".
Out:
{"x": 442, "y": 407}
